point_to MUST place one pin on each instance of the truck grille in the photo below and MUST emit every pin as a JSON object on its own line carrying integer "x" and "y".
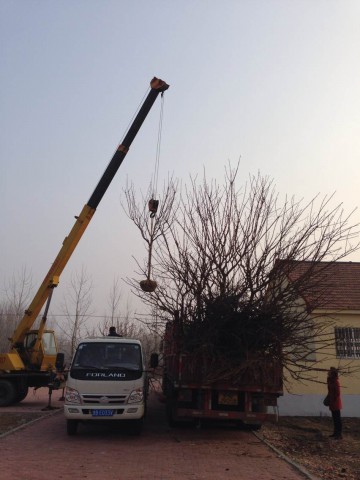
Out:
{"x": 103, "y": 399}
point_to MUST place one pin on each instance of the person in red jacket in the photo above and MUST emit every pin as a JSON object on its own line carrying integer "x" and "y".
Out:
{"x": 335, "y": 404}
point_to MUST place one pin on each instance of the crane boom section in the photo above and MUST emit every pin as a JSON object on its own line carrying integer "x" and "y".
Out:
{"x": 51, "y": 279}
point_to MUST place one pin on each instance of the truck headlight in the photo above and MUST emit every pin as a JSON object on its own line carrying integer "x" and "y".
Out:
{"x": 136, "y": 396}
{"x": 72, "y": 396}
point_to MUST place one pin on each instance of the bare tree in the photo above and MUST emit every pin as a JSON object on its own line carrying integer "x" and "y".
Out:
{"x": 17, "y": 293}
{"x": 152, "y": 227}
{"x": 114, "y": 300}
{"x": 123, "y": 319}
{"x": 117, "y": 315}
{"x": 223, "y": 258}
{"x": 77, "y": 307}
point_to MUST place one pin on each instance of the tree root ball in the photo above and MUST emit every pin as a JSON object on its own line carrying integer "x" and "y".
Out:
{"x": 148, "y": 285}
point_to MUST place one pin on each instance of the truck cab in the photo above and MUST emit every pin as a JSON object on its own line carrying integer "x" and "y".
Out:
{"x": 107, "y": 380}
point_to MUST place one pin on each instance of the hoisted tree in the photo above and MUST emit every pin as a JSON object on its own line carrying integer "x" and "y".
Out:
{"x": 222, "y": 257}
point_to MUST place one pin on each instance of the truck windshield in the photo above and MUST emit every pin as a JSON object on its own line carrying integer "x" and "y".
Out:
{"x": 126, "y": 356}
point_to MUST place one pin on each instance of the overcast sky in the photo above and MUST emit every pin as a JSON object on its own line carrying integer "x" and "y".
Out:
{"x": 275, "y": 82}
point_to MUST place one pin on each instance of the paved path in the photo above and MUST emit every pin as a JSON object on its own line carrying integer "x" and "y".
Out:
{"x": 43, "y": 451}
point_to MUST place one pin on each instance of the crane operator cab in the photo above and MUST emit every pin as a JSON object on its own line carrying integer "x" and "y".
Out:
{"x": 33, "y": 354}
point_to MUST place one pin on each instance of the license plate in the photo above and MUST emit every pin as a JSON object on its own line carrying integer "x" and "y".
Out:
{"x": 102, "y": 413}
{"x": 227, "y": 398}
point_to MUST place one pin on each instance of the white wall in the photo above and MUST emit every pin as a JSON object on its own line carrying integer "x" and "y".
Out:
{"x": 312, "y": 405}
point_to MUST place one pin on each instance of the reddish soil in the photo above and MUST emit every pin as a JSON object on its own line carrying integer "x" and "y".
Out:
{"x": 306, "y": 441}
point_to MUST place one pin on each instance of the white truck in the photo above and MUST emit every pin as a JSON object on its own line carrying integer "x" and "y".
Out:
{"x": 107, "y": 380}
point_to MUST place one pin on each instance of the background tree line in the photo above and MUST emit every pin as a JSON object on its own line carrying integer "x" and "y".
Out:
{"x": 76, "y": 320}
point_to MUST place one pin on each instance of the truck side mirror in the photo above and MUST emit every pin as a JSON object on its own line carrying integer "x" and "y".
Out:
{"x": 154, "y": 360}
{"x": 59, "y": 362}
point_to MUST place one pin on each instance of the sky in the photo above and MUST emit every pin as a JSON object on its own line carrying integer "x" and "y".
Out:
{"x": 274, "y": 83}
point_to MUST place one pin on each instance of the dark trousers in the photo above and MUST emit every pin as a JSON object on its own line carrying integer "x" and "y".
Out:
{"x": 337, "y": 422}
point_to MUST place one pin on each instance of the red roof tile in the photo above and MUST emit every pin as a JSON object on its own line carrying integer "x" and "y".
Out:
{"x": 337, "y": 282}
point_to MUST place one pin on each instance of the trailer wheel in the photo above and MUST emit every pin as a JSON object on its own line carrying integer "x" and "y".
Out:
{"x": 71, "y": 427}
{"x": 7, "y": 393}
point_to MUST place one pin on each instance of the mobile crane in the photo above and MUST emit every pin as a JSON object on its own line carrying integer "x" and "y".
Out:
{"x": 33, "y": 360}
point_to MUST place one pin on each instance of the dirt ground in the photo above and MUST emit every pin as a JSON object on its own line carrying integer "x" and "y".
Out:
{"x": 306, "y": 441}
{"x": 11, "y": 420}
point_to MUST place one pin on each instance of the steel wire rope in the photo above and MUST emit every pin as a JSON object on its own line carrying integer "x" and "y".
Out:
{"x": 155, "y": 182}
{"x": 135, "y": 113}
{"x": 131, "y": 121}
{"x": 158, "y": 148}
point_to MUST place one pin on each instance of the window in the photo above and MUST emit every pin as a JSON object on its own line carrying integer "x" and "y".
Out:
{"x": 108, "y": 355}
{"x": 347, "y": 342}
{"x": 48, "y": 342}
{"x": 29, "y": 340}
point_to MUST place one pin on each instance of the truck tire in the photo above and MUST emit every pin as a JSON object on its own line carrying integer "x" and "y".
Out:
{"x": 164, "y": 385}
{"x": 170, "y": 410}
{"x": 21, "y": 393}
{"x": 7, "y": 393}
{"x": 137, "y": 426}
{"x": 240, "y": 425}
{"x": 71, "y": 427}
{"x": 254, "y": 426}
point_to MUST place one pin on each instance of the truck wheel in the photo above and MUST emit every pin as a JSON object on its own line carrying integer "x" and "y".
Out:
{"x": 164, "y": 385}
{"x": 71, "y": 427}
{"x": 240, "y": 425}
{"x": 21, "y": 393}
{"x": 254, "y": 426}
{"x": 170, "y": 414}
{"x": 137, "y": 426}
{"x": 7, "y": 393}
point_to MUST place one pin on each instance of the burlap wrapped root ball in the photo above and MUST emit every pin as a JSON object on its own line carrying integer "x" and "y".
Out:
{"x": 148, "y": 285}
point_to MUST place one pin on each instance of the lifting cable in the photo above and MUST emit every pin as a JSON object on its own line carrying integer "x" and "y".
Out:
{"x": 149, "y": 285}
{"x": 153, "y": 203}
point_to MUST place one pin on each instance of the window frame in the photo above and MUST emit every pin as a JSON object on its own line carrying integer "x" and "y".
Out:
{"x": 347, "y": 342}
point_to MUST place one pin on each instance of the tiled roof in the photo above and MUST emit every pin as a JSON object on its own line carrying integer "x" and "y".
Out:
{"x": 338, "y": 282}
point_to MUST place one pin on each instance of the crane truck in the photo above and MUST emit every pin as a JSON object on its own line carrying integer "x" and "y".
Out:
{"x": 33, "y": 359}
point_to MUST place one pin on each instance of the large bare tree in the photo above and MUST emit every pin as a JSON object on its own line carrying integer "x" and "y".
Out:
{"x": 222, "y": 257}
